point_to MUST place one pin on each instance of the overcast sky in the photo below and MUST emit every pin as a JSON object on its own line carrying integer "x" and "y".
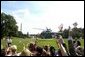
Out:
{"x": 42, "y": 14}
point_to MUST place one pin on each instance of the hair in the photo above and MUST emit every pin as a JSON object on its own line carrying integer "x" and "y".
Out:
{"x": 13, "y": 48}
{"x": 39, "y": 51}
{"x": 64, "y": 45}
{"x": 78, "y": 43}
{"x": 31, "y": 47}
{"x": 46, "y": 48}
{"x": 52, "y": 51}
{"x": 26, "y": 52}
{"x": 74, "y": 41}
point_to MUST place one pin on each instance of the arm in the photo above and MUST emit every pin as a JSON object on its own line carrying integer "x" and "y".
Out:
{"x": 63, "y": 51}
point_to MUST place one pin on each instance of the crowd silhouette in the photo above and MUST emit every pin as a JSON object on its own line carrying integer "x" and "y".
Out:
{"x": 34, "y": 50}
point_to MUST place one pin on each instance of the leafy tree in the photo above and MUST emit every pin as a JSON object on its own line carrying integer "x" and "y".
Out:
{"x": 20, "y": 34}
{"x": 65, "y": 33}
{"x": 8, "y": 25}
{"x": 77, "y": 32}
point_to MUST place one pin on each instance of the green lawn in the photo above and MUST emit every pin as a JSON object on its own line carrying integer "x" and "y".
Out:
{"x": 40, "y": 42}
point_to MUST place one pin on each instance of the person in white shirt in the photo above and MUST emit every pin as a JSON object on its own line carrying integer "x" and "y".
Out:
{"x": 9, "y": 41}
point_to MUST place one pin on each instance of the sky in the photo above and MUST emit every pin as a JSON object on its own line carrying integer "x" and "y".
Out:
{"x": 42, "y": 14}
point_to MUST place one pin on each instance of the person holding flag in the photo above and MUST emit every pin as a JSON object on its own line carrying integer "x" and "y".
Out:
{"x": 60, "y": 43}
{"x": 62, "y": 49}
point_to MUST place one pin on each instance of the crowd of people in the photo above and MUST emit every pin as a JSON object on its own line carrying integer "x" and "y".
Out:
{"x": 34, "y": 50}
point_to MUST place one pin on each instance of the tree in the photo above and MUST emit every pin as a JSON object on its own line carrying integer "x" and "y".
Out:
{"x": 83, "y": 33}
{"x": 75, "y": 24}
{"x": 8, "y": 25}
{"x": 20, "y": 34}
{"x": 65, "y": 33}
{"x": 75, "y": 30}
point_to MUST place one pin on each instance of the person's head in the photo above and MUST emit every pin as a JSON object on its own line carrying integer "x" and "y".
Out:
{"x": 9, "y": 45}
{"x": 46, "y": 47}
{"x": 74, "y": 41}
{"x": 14, "y": 48}
{"x": 64, "y": 45}
{"x": 78, "y": 43}
{"x": 39, "y": 51}
{"x": 31, "y": 46}
{"x": 52, "y": 51}
{"x": 45, "y": 53}
{"x": 26, "y": 52}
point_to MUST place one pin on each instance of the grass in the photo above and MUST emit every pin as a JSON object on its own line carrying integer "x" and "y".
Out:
{"x": 40, "y": 42}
